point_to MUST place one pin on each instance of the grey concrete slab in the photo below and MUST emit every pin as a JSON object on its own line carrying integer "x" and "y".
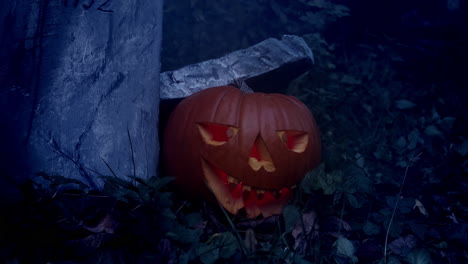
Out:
{"x": 265, "y": 67}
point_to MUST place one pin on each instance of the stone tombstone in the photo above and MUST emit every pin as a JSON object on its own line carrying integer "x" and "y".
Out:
{"x": 268, "y": 66}
{"x": 79, "y": 88}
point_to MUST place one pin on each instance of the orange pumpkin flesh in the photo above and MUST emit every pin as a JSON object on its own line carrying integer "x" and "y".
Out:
{"x": 250, "y": 150}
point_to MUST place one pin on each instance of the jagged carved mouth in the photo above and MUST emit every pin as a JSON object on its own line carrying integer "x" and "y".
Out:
{"x": 235, "y": 195}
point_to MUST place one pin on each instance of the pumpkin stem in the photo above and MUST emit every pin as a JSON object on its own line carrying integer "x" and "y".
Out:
{"x": 242, "y": 85}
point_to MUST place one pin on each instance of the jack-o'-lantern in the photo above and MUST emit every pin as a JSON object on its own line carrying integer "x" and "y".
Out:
{"x": 249, "y": 149}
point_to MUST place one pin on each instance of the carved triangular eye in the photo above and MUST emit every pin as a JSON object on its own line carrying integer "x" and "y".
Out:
{"x": 294, "y": 140}
{"x": 216, "y": 134}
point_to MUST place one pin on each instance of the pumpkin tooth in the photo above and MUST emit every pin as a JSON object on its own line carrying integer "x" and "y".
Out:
{"x": 275, "y": 194}
{"x": 245, "y": 193}
{"x": 232, "y": 185}
{"x": 251, "y": 199}
{"x": 267, "y": 198}
{"x": 246, "y": 188}
{"x": 285, "y": 191}
{"x": 237, "y": 191}
{"x": 231, "y": 179}
{"x": 260, "y": 193}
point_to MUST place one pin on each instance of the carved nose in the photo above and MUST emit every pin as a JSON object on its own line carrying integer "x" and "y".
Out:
{"x": 260, "y": 157}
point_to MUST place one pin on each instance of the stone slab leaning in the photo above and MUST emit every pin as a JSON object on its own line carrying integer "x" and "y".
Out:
{"x": 265, "y": 67}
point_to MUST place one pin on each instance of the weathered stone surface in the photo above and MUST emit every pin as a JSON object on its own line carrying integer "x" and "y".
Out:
{"x": 267, "y": 66}
{"x": 79, "y": 82}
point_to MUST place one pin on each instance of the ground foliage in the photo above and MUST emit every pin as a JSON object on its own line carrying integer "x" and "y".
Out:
{"x": 390, "y": 188}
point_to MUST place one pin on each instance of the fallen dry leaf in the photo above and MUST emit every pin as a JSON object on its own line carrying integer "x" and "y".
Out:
{"x": 420, "y": 207}
{"x": 403, "y": 245}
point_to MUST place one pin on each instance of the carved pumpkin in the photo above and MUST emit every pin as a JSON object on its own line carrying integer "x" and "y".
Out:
{"x": 249, "y": 149}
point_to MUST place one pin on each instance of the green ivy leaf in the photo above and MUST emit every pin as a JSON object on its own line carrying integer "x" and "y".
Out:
{"x": 402, "y": 163}
{"x": 462, "y": 148}
{"x": 220, "y": 245}
{"x": 414, "y": 138}
{"x": 194, "y": 219}
{"x": 404, "y": 104}
{"x": 406, "y": 205}
{"x": 432, "y": 130}
{"x": 442, "y": 245}
{"x": 419, "y": 229}
{"x": 390, "y": 260}
{"x": 345, "y": 247}
{"x": 118, "y": 183}
{"x": 419, "y": 256}
{"x": 353, "y": 200}
{"x": 167, "y": 220}
{"x": 350, "y": 79}
{"x": 314, "y": 180}
{"x": 57, "y": 180}
{"x": 356, "y": 182}
{"x": 382, "y": 152}
{"x": 184, "y": 235}
{"x": 290, "y": 214}
{"x": 299, "y": 260}
{"x": 446, "y": 123}
{"x": 400, "y": 143}
{"x": 371, "y": 228}
{"x": 165, "y": 200}
{"x": 157, "y": 183}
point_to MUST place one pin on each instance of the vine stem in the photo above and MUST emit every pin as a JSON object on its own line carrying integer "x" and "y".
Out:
{"x": 234, "y": 229}
{"x": 412, "y": 160}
